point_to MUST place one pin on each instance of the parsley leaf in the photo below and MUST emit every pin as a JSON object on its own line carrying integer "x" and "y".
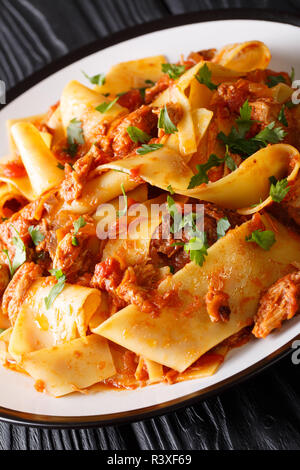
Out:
{"x": 20, "y": 253}
{"x": 123, "y": 211}
{"x": 244, "y": 122}
{"x": 74, "y": 136}
{"x": 197, "y": 248}
{"x": 150, "y": 82}
{"x": 236, "y": 140}
{"x": 204, "y": 77}
{"x": 106, "y": 106}
{"x": 230, "y": 163}
{"x": 170, "y": 189}
{"x": 282, "y": 117}
{"x": 36, "y": 236}
{"x": 75, "y": 241}
{"x": 270, "y": 134}
{"x": 60, "y": 166}
{"x": 148, "y": 148}
{"x": 98, "y": 79}
{"x": 2, "y": 330}
{"x": 264, "y": 238}
{"x": 174, "y": 71}
{"x": 222, "y": 226}
{"x": 78, "y": 224}
{"x": 279, "y": 190}
{"x": 137, "y": 135}
{"x": 201, "y": 176}
{"x": 165, "y": 123}
{"x": 273, "y": 80}
{"x": 57, "y": 288}
{"x": 292, "y": 76}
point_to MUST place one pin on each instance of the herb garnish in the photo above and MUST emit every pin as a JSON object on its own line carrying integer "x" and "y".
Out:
{"x": 165, "y": 123}
{"x": 273, "y": 80}
{"x": 137, "y": 135}
{"x": 57, "y": 288}
{"x": 236, "y": 139}
{"x": 282, "y": 117}
{"x": 278, "y": 189}
{"x": 78, "y": 224}
{"x": 147, "y": 148}
{"x": 123, "y": 212}
{"x": 263, "y": 238}
{"x": 98, "y": 79}
{"x": 222, "y": 227}
{"x": 75, "y": 136}
{"x": 106, "y": 106}
{"x": 36, "y": 235}
{"x": 174, "y": 71}
{"x": 204, "y": 77}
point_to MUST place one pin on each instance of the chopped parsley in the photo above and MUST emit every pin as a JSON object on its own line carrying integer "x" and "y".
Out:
{"x": 204, "y": 77}
{"x": 57, "y": 288}
{"x": 106, "y": 106}
{"x": 137, "y": 135}
{"x": 282, "y": 117}
{"x": 20, "y": 253}
{"x": 78, "y": 224}
{"x": 150, "y": 82}
{"x": 270, "y": 135}
{"x": 174, "y": 71}
{"x": 2, "y": 330}
{"x": 202, "y": 177}
{"x": 278, "y": 189}
{"x": 170, "y": 189}
{"x": 273, "y": 80}
{"x": 196, "y": 247}
{"x": 147, "y": 148}
{"x": 36, "y": 235}
{"x": 165, "y": 123}
{"x": 98, "y": 79}
{"x": 222, "y": 227}
{"x": 75, "y": 136}
{"x": 60, "y": 166}
{"x": 263, "y": 238}
{"x": 236, "y": 139}
{"x": 123, "y": 212}
{"x": 292, "y": 76}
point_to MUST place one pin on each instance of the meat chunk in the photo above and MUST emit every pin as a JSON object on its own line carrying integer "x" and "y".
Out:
{"x": 76, "y": 177}
{"x": 279, "y": 303}
{"x": 17, "y": 289}
{"x": 76, "y": 255}
{"x": 217, "y": 305}
{"x": 144, "y": 119}
{"x": 19, "y": 222}
{"x": 162, "y": 84}
{"x": 132, "y": 292}
{"x": 131, "y": 100}
{"x": 108, "y": 275}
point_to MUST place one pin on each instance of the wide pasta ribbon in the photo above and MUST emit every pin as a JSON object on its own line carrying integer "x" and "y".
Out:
{"x": 247, "y": 185}
{"x": 180, "y": 334}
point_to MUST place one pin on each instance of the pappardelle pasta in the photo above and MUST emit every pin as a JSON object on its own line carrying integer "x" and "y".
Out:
{"x": 150, "y": 221}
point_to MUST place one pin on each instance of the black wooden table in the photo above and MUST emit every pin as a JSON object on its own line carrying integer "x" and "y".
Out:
{"x": 261, "y": 413}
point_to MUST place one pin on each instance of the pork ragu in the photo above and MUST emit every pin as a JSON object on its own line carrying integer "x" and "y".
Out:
{"x": 131, "y": 297}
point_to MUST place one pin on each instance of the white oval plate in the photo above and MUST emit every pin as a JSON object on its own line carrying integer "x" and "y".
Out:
{"x": 18, "y": 398}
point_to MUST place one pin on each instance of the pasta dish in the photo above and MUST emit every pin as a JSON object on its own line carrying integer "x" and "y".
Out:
{"x": 150, "y": 221}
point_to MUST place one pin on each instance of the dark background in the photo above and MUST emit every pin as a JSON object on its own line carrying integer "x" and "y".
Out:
{"x": 261, "y": 413}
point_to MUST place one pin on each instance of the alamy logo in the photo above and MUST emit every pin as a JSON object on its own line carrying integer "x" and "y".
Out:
{"x": 2, "y": 92}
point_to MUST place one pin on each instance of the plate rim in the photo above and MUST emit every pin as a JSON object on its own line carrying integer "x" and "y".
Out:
{"x": 64, "y": 422}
